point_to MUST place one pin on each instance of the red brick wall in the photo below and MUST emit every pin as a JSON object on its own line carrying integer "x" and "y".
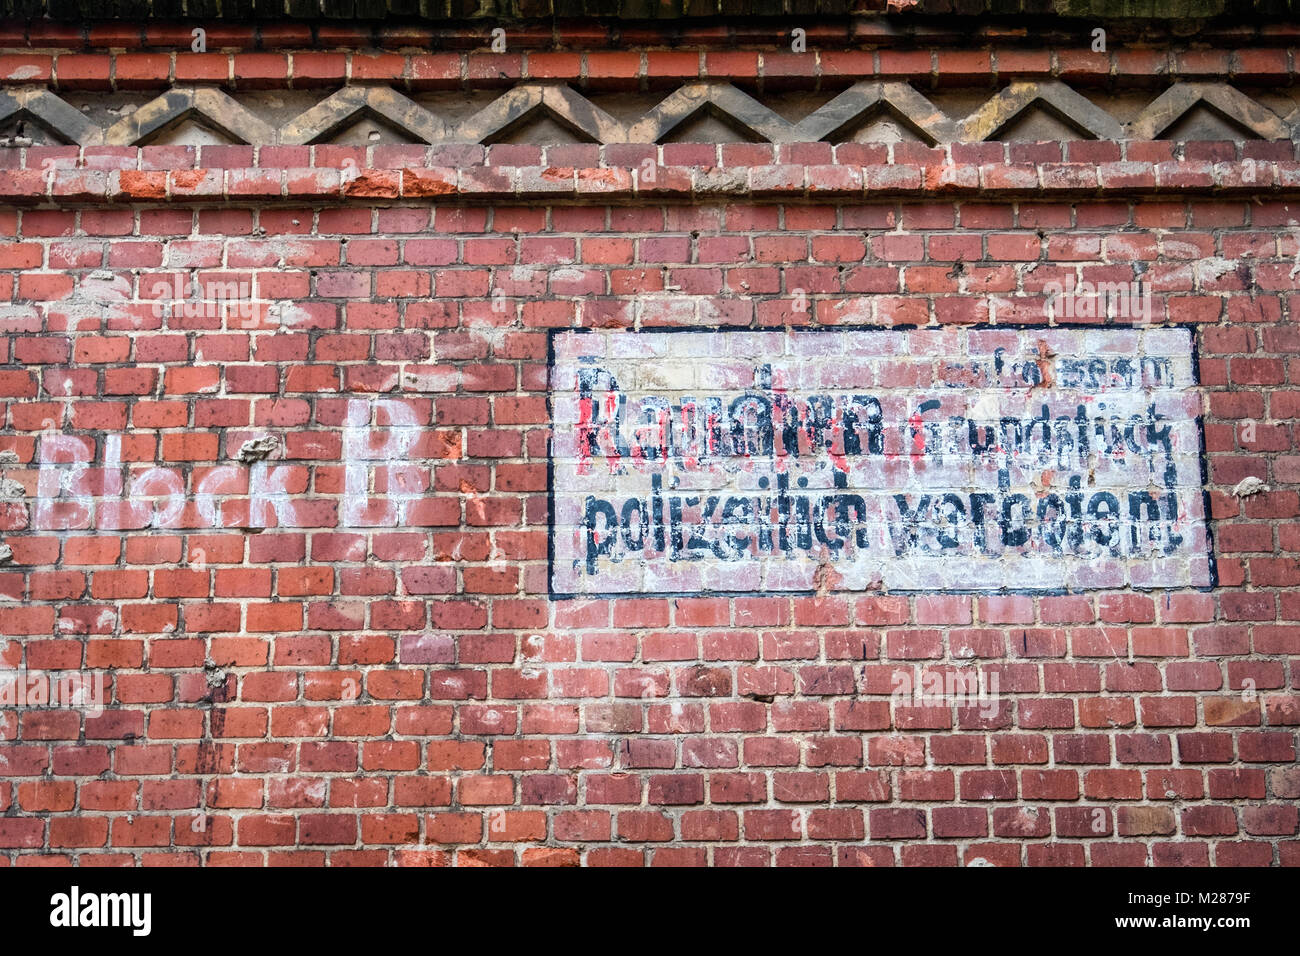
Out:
{"x": 290, "y": 689}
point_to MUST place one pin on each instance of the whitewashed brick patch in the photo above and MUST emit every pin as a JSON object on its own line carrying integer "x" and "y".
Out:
{"x": 1055, "y": 460}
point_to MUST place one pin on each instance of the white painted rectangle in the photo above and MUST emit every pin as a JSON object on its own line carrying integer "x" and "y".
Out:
{"x": 926, "y": 460}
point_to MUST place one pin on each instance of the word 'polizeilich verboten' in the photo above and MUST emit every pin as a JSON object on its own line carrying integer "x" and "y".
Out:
{"x": 921, "y": 460}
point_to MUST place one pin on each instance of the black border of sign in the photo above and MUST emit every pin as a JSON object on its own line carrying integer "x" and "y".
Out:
{"x": 551, "y": 333}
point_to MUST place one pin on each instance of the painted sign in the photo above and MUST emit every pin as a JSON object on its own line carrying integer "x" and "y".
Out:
{"x": 968, "y": 460}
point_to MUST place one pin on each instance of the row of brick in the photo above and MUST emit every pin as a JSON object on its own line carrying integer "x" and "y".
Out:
{"x": 514, "y": 543}
{"x": 539, "y": 33}
{"x": 1109, "y": 764}
{"x": 772, "y": 67}
{"x": 451, "y": 353}
{"x": 907, "y": 297}
{"x": 1252, "y": 606}
{"x": 854, "y": 715}
{"x": 312, "y": 789}
{"x": 700, "y": 183}
{"x": 323, "y": 765}
{"x": 587, "y": 33}
{"x": 357, "y": 372}
{"x": 259, "y": 271}
{"x": 836, "y": 823}
{"x": 129, "y": 579}
{"x": 1244, "y": 606}
{"x": 254, "y": 304}
{"x": 475, "y": 574}
{"x": 312, "y": 715}
{"x": 239, "y": 245}
{"x": 796, "y": 308}
{"x": 1031, "y": 640}
{"x": 1126, "y": 853}
{"x": 343, "y": 549}
{"x": 648, "y": 155}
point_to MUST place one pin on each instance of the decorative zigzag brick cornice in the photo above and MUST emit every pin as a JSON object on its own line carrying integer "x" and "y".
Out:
{"x": 832, "y": 122}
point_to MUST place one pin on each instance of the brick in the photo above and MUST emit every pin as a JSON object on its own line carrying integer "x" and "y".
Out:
{"x": 395, "y": 542}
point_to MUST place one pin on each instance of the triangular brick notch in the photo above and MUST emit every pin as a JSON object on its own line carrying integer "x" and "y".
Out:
{"x": 211, "y": 107}
{"x": 835, "y": 121}
{"x": 1073, "y": 109}
{"x": 1235, "y": 107}
{"x": 523, "y": 104}
{"x": 53, "y": 113}
{"x": 348, "y": 106}
{"x": 737, "y": 109}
